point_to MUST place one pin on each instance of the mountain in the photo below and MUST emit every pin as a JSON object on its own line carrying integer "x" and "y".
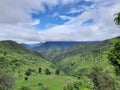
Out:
{"x": 55, "y": 55}
{"x": 85, "y": 56}
{"x": 11, "y": 46}
{"x": 26, "y": 45}
{"x": 31, "y": 45}
{"x": 23, "y": 69}
{"x": 54, "y": 45}
{"x": 20, "y": 58}
{"x": 82, "y": 65}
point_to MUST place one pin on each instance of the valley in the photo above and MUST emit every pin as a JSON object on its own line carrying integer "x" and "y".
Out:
{"x": 58, "y": 66}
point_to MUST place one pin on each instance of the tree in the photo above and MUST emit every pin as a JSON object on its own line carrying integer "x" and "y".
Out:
{"x": 39, "y": 70}
{"x": 26, "y": 78}
{"x": 5, "y": 53}
{"x": 47, "y": 72}
{"x": 114, "y": 57}
{"x": 57, "y": 72}
{"x": 24, "y": 88}
{"x": 29, "y": 72}
{"x": 117, "y": 19}
{"x": 6, "y": 80}
{"x": 101, "y": 79}
{"x": 83, "y": 84}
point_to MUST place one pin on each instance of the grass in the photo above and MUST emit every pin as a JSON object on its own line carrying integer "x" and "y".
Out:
{"x": 52, "y": 82}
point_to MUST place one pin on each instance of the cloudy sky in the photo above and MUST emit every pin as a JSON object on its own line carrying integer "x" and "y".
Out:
{"x": 58, "y": 20}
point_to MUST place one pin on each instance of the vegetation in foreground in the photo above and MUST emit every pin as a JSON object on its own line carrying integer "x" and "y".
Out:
{"x": 92, "y": 68}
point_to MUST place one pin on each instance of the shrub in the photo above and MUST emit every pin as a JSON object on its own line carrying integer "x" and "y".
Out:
{"x": 29, "y": 72}
{"x": 24, "y": 88}
{"x": 39, "y": 70}
{"x": 83, "y": 84}
{"x": 57, "y": 72}
{"x": 6, "y": 80}
{"x": 102, "y": 80}
{"x": 26, "y": 78}
{"x": 47, "y": 72}
{"x": 114, "y": 57}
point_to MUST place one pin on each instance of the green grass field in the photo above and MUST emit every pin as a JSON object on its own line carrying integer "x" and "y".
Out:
{"x": 52, "y": 82}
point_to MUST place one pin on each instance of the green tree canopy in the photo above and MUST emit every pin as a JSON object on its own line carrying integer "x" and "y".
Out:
{"x": 114, "y": 57}
{"x": 117, "y": 19}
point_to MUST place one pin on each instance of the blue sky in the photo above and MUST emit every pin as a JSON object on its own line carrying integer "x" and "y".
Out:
{"x": 58, "y": 20}
{"x": 60, "y": 14}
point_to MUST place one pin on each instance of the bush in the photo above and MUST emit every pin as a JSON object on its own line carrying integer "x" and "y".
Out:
{"x": 24, "y": 88}
{"x": 26, "y": 78}
{"x": 39, "y": 70}
{"x": 40, "y": 84}
{"x": 57, "y": 72}
{"x": 102, "y": 80}
{"x": 83, "y": 84}
{"x": 114, "y": 57}
{"x": 47, "y": 72}
{"x": 6, "y": 80}
{"x": 29, "y": 72}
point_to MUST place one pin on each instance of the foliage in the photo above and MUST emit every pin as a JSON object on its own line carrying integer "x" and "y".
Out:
{"x": 39, "y": 70}
{"x": 51, "y": 82}
{"x": 26, "y": 78}
{"x": 114, "y": 56}
{"x": 24, "y": 88}
{"x": 47, "y": 71}
{"x": 117, "y": 19}
{"x": 57, "y": 72}
{"x": 6, "y": 80}
{"x": 102, "y": 80}
{"x": 29, "y": 72}
{"x": 15, "y": 61}
{"x": 82, "y": 63}
{"x": 84, "y": 84}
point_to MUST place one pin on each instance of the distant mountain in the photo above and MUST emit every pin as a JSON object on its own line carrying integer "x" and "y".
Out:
{"x": 54, "y": 45}
{"x": 54, "y": 55}
{"x": 26, "y": 45}
{"x": 32, "y": 45}
{"x": 84, "y": 56}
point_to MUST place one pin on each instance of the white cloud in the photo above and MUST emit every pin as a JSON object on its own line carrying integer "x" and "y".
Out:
{"x": 69, "y": 1}
{"x": 36, "y": 22}
{"x": 15, "y": 20}
{"x": 74, "y": 10}
{"x": 17, "y": 11}
{"x": 64, "y": 17}
{"x": 55, "y": 14}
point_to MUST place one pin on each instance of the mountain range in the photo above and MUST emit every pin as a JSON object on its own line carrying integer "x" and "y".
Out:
{"x": 51, "y": 45}
{"x": 76, "y": 61}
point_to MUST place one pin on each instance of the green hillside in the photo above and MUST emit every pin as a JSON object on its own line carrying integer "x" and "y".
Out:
{"x": 83, "y": 47}
{"x": 84, "y": 66}
{"x": 88, "y": 62}
{"x": 15, "y": 54}
{"x": 91, "y": 60}
{"x": 27, "y": 69}
{"x": 56, "y": 55}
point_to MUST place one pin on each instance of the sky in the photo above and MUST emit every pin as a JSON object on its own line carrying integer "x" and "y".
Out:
{"x": 58, "y": 20}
